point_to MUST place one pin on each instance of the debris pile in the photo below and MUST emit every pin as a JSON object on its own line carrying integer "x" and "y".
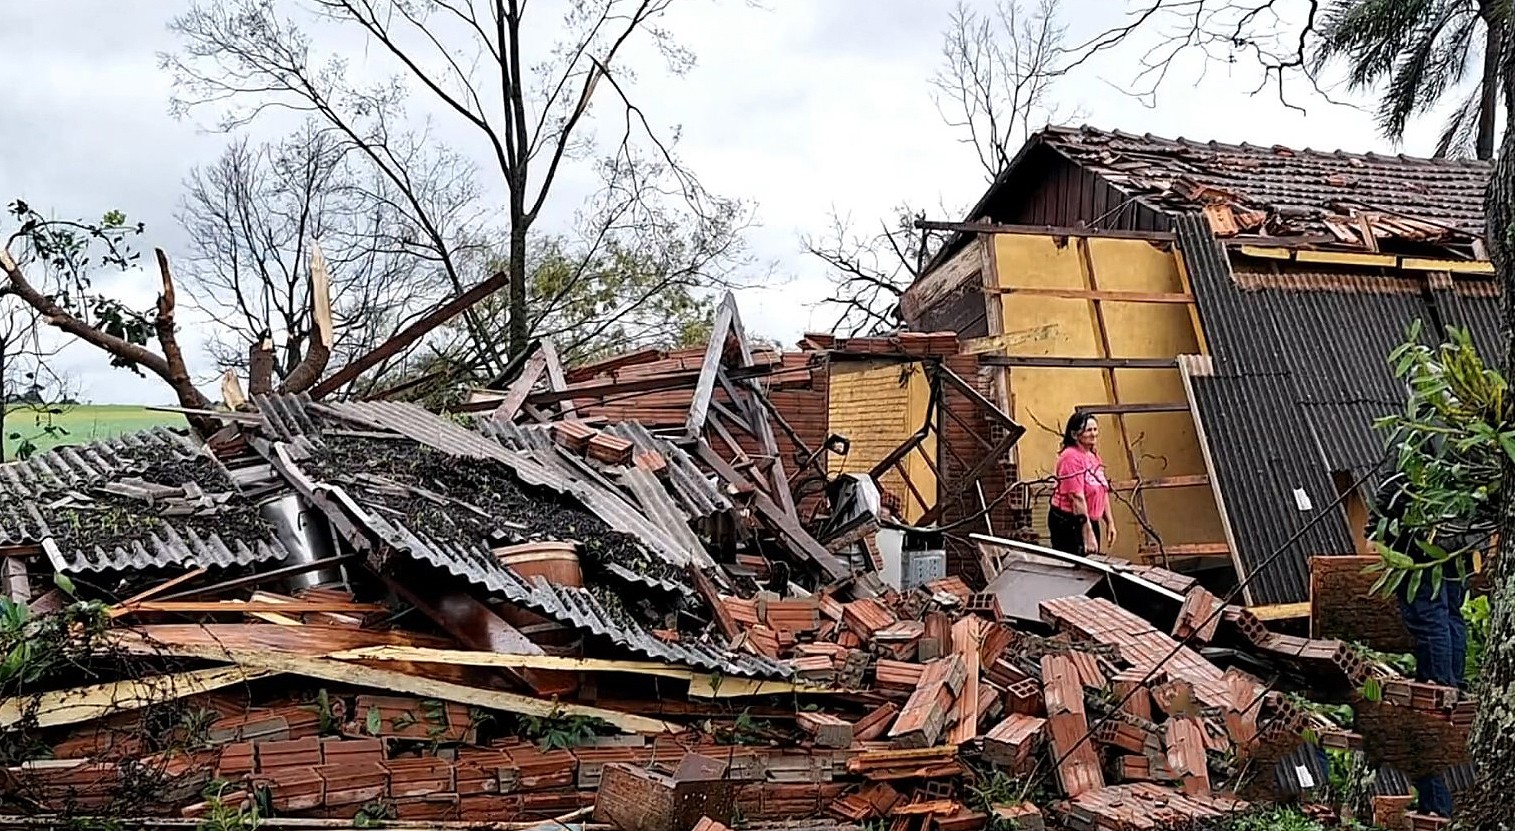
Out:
{"x": 364, "y": 611}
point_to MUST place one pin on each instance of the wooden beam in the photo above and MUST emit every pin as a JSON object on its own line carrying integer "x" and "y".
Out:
{"x": 520, "y": 389}
{"x": 1041, "y": 230}
{"x": 1454, "y": 266}
{"x": 556, "y": 380}
{"x": 1266, "y": 252}
{"x": 411, "y": 334}
{"x": 1188, "y": 549}
{"x": 1192, "y": 480}
{"x": 1346, "y": 258}
{"x": 1190, "y": 366}
{"x": 1053, "y": 362}
{"x": 1281, "y": 611}
{"x": 1128, "y": 409}
{"x": 246, "y": 607}
{"x": 81, "y": 704}
{"x": 345, "y": 672}
{"x": 1098, "y": 295}
{"x": 704, "y": 387}
{"x": 122, "y": 607}
{"x": 264, "y": 577}
{"x": 786, "y": 525}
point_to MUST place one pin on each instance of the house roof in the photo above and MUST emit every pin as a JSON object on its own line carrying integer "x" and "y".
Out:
{"x": 1309, "y": 196}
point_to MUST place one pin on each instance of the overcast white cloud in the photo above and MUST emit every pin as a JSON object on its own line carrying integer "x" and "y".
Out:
{"x": 803, "y": 107}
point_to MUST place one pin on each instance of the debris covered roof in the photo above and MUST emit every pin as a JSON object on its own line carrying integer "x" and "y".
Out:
{"x": 1306, "y": 197}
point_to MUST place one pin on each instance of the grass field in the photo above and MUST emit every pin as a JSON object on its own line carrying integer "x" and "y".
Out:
{"x": 84, "y": 423}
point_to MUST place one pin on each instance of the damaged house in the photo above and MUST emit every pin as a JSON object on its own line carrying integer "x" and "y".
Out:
{"x": 1229, "y": 311}
{"x": 736, "y": 587}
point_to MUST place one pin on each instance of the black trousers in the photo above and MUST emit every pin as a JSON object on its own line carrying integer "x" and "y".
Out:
{"x": 1067, "y": 531}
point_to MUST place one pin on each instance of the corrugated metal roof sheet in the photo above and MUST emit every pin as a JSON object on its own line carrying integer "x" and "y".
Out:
{"x": 571, "y": 606}
{"x": 1265, "y": 447}
{"x": 289, "y": 417}
{"x": 43, "y": 500}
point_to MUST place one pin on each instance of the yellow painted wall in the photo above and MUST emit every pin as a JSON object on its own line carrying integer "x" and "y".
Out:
{"x": 877, "y": 405}
{"x": 1161, "y": 444}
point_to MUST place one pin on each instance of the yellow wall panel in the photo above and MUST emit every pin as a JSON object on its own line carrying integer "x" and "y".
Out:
{"x": 1159, "y": 444}
{"x": 877, "y": 406}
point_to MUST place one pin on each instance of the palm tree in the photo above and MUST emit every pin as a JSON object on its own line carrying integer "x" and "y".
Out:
{"x": 1421, "y": 52}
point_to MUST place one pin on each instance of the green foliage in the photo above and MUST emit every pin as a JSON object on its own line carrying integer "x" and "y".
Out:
{"x": 375, "y": 814}
{"x": 1272, "y": 819}
{"x": 559, "y": 731}
{"x": 221, "y": 815}
{"x": 71, "y": 252}
{"x": 1475, "y": 610}
{"x": 1413, "y": 54}
{"x": 1451, "y": 443}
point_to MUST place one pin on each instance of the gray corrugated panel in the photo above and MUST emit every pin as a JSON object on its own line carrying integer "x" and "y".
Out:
{"x": 169, "y": 548}
{"x": 1480, "y": 313}
{"x": 572, "y": 606}
{"x": 659, "y": 506}
{"x": 551, "y": 470}
{"x": 38, "y": 494}
{"x": 1301, "y": 770}
{"x": 1263, "y": 451}
{"x": 702, "y": 497}
{"x": 567, "y": 473}
{"x": 630, "y": 576}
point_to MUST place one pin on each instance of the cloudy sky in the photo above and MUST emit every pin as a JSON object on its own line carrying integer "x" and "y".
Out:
{"x": 804, "y": 107}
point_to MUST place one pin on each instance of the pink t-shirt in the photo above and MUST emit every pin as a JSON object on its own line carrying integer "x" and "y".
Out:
{"x": 1080, "y": 471}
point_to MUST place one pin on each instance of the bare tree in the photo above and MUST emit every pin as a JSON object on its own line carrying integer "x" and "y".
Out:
{"x": 996, "y": 78}
{"x": 994, "y": 86}
{"x": 871, "y": 271}
{"x": 475, "y": 62}
{"x": 253, "y": 217}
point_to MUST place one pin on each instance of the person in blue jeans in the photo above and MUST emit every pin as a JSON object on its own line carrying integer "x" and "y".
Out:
{"x": 1433, "y": 617}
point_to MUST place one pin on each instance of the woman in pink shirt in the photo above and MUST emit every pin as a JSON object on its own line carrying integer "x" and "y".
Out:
{"x": 1081, "y": 501}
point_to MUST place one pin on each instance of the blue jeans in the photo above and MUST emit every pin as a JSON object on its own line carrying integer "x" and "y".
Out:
{"x": 1441, "y": 649}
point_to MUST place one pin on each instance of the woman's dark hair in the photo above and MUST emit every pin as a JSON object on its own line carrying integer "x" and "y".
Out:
{"x": 1076, "y": 423}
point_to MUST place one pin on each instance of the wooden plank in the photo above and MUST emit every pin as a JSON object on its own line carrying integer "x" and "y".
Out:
{"x": 80, "y": 704}
{"x": 1346, "y": 258}
{"x": 556, "y": 381}
{"x": 1266, "y": 252}
{"x": 344, "y": 672}
{"x": 1050, "y": 362}
{"x": 1281, "y": 611}
{"x": 1189, "y": 481}
{"x": 1188, "y": 367}
{"x": 410, "y": 334}
{"x": 1129, "y": 409}
{"x": 1188, "y": 549}
{"x": 520, "y": 389}
{"x": 1005, "y": 342}
{"x": 247, "y": 607}
{"x": 263, "y": 577}
{"x": 1454, "y": 266}
{"x": 1099, "y": 295}
{"x": 1097, "y": 313}
{"x": 115, "y": 611}
{"x": 704, "y": 388}
{"x": 967, "y": 644}
{"x": 1188, "y": 286}
{"x": 786, "y": 525}
{"x": 1041, "y": 230}
{"x": 707, "y": 590}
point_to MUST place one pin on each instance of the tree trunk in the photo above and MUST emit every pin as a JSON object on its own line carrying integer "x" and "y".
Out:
{"x": 1491, "y": 806}
{"x": 519, "y": 330}
{"x": 1488, "y": 104}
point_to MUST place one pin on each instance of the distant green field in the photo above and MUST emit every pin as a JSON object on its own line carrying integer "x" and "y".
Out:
{"x": 84, "y": 423}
